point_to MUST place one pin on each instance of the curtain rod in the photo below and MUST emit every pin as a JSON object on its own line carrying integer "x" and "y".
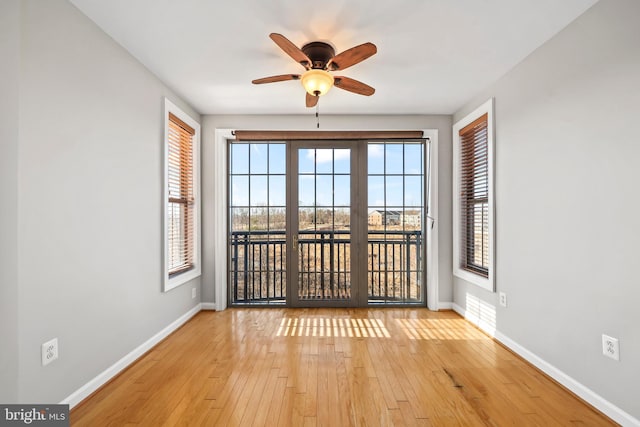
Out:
{"x": 278, "y": 135}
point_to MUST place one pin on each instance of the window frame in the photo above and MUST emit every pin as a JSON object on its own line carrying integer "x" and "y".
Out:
{"x": 487, "y": 283}
{"x": 273, "y": 301}
{"x": 394, "y": 214}
{"x": 172, "y": 281}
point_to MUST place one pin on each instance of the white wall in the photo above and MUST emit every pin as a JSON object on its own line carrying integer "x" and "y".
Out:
{"x": 567, "y": 151}
{"x": 9, "y": 84}
{"x": 308, "y": 122}
{"x": 90, "y": 202}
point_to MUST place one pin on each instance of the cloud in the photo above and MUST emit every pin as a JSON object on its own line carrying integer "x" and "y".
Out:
{"x": 376, "y": 150}
{"x": 324, "y": 155}
{"x": 238, "y": 197}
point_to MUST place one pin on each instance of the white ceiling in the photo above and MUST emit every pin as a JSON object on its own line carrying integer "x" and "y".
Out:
{"x": 433, "y": 55}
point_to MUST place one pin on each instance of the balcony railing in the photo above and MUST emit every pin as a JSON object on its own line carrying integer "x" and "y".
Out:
{"x": 258, "y": 266}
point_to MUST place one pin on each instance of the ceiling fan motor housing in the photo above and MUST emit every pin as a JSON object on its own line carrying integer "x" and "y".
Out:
{"x": 319, "y": 53}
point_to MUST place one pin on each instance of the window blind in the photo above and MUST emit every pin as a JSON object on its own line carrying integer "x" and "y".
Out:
{"x": 181, "y": 208}
{"x": 474, "y": 197}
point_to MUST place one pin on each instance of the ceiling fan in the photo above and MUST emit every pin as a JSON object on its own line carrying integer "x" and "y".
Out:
{"x": 318, "y": 58}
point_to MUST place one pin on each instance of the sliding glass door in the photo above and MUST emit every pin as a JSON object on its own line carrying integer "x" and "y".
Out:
{"x": 327, "y": 223}
{"x": 322, "y": 195}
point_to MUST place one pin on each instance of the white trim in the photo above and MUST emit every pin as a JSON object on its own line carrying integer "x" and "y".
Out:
{"x": 585, "y": 393}
{"x": 483, "y": 282}
{"x": 206, "y": 306}
{"x": 220, "y": 220}
{"x": 220, "y": 217}
{"x": 83, "y": 392}
{"x": 445, "y": 305}
{"x": 180, "y": 279}
{"x": 433, "y": 283}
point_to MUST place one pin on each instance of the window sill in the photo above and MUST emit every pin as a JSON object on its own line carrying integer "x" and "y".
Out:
{"x": 485, "y": 283}
{"x": 180, "y": 279}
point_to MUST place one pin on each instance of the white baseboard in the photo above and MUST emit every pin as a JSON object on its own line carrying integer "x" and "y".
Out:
{"x": 209, "y": 306}
{"x": 445, "y": 305}
{"x": 588, "y": 395}
{"x": 83, "y": 392}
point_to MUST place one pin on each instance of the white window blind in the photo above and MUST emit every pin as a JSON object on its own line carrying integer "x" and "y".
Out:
{"x": 181, "y": 196}
{"x": 474, "y": 197}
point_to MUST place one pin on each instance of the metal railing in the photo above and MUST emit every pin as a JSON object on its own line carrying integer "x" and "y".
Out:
{"x": 257, "y": 268}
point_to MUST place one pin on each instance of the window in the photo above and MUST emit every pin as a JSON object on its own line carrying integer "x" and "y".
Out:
{"x": 291, "y": 205}
{"x": 396, "y": 213}
{"x": 473, "y": 198}
{"x": 257, "y": 222}
{"x": 182, "y": 199}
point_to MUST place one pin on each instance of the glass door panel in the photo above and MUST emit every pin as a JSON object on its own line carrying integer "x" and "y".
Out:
{"x": 396, "y": 216}
{"x": 257, "y": 223}
{"x": 323, "y": 223}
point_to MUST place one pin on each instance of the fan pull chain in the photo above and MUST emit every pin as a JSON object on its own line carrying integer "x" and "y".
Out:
{"x": 318, "y": 115}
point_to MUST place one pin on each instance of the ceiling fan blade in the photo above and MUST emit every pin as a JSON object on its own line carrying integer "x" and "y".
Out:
{"x": 291, "y": 49}
{"x": 353, "y": 86}
{"x": 273, "y": 79}
{"x": 311, "y": 100}
{"x": 352, "y": 56}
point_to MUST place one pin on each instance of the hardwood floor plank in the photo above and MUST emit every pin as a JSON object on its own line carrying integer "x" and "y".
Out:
{"x": 276, "y": 403}
{"x": 262, "y": 408}
{"x": 334, "y": 367}
{"x": 311, "y": 395}
{"x": 310, "y": 422}
{"x": 248, "y": 406}
{"x": 346, "y": 410}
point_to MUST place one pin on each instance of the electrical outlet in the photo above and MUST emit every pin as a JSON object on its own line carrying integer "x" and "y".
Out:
{"x": 610, "y": 347}
{"x": 49, "y": 351}
{"x": 193, "y": 292}
{"x": 503, "y": 299}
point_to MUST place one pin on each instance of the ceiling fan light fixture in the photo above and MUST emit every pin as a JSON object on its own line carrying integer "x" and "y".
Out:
{"x": 318, "y": 58}
{"x": 317, "y": 82}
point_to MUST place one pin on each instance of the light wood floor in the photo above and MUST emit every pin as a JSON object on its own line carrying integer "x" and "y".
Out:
{"x": 332, "y": 367}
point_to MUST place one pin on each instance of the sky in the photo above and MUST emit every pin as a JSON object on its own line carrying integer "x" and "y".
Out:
{"x": 326, "y": 171}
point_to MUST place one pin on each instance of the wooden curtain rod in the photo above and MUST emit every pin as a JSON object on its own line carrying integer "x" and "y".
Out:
{"x": 279, "y": 135}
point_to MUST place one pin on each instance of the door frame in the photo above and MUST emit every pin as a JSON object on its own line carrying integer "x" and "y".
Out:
{"x": 215, "y": 249}
{"x": 357, "y": 226}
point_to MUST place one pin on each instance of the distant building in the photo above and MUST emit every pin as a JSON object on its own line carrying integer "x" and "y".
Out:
{"x": 379, "y": 217}
{"x": 375, "y": 217}
{"x": 411, "y": 218}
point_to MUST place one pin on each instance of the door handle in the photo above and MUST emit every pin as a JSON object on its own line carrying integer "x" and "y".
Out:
{"x": 295, "y": 243}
